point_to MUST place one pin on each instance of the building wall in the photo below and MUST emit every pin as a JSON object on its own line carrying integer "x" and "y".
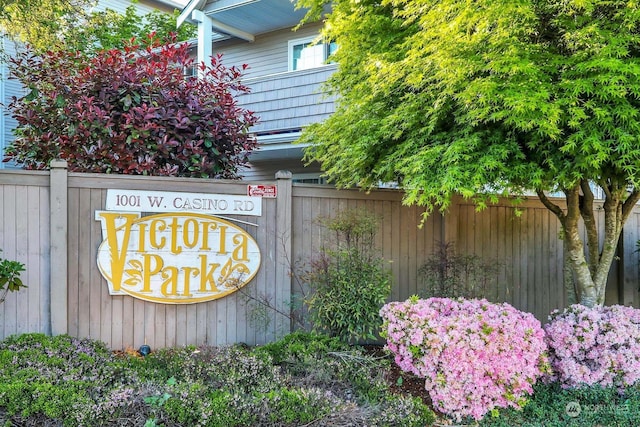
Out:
{"x": 267, "y": 55}
{"x": 285, "y": 101}
{"x": 143, "y": 6}
{"x": 8, "y": 89}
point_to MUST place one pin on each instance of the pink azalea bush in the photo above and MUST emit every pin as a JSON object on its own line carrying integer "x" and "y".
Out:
{"x": 475, "y": 356}
{"x": 599, "y": 345}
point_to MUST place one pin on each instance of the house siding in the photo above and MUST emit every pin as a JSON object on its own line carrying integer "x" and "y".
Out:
{"x": 267, "y": 55}
{"x": 143, "y": 7}
{"x": 267, "y": 169}
{"x": 8, "y": 89}
{"x": 289, "y": 100}
{"x": 283, "y": 100}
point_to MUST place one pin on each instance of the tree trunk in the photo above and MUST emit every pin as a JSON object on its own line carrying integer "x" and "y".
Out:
{"x": 591, "y": 273}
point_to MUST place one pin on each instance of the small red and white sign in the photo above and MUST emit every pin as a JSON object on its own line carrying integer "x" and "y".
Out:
{"x": 268, "y": 191}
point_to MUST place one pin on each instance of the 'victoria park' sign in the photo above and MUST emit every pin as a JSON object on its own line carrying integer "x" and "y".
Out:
{"x": 178, "y": 257}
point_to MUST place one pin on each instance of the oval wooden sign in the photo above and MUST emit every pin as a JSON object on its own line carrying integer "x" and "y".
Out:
{"x": 175, "y": 258}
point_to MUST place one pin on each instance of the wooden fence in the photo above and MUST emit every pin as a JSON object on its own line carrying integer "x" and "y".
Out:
{"x": 47, "y": 221}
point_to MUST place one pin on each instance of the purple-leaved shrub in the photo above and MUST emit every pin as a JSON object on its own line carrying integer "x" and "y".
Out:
{"x": 594, "y": 346}
{"x": 475, "y": 356}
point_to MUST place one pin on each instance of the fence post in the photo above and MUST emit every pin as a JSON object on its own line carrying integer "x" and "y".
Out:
{"x": 58, "y": 256}
{"x": 283, "y": 250}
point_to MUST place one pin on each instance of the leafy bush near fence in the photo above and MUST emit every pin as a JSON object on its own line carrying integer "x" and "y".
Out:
{"x": 594, "y": 346}
{"x": 475, "y": 356}
{"x": 10, "y": 277}
{"x": 303, "y": 380}
{"x": 349, "y": 281}
{"x": 130, "y": 111}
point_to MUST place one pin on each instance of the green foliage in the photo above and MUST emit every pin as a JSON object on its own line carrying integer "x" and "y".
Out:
{"x": 109, "y": 29}
{"x": 57, "y": 377}
{"x": 489, "y": 98}
{"x": 69, "y": 25}
{"x": 66, "y": 381}
{"x": 399, "y": 410}
{"x": 349, "y": 282}
{"x": 42, "y": 23}
{"x": 318, "y": 361}
{"x": 465, "y": 97}
{"x": 10, "y": 277}
{"x": 448, "y": 274}
{"x": 552, "y": 406}
{"x": 300, "y": 346}
{"x": 217, "y": 408}
{"x": 297, "y": 406}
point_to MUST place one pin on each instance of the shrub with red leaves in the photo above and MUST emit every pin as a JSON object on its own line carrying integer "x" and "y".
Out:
{"x": 130, "y": 111}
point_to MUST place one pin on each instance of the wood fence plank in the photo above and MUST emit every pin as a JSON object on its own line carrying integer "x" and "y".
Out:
{"x": 45, "y": 260}
{"x": 10, "y": 251}
{"x": 77, "y": 288}
{"x": 139, "y": 322}
{"x": 150, "y": 325}
{"x": 160, "y": 326}
{"x": 181, "y": 326}
{"x": 35, "y": 294}
{"x": 170, "y": 325}
{"x": 22, "y": 249}
{"x": 129, "y": 319}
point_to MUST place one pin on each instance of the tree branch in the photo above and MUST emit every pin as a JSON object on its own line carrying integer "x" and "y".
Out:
{"x": 551, "y": 206}
{"x": 629, "y": 204}
{"x": 586, "y": 211}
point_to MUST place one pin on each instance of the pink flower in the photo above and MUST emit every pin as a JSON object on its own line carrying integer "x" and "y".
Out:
{"x": 599, "y": 345}
{"x": 474, "y": 355}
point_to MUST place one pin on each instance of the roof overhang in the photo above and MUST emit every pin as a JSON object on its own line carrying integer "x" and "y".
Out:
{"x": 243, "y": 19}
{"x": 185, "y": 14}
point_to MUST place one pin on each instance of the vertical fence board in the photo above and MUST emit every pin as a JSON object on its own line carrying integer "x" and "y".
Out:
{"x": 77, "y": 289}
{"x": 22, "y": 248}
{"x": 128, "y": 318}
{"x": 44, "y": 261}
{"x": 181, "y": 325}
{"x": 35, "y": 293}
{"x": 10, "y": 251}
{"x": 170, "y": 325}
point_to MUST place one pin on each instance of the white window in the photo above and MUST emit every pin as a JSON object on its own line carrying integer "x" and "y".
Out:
{"x": 309, "y": 53}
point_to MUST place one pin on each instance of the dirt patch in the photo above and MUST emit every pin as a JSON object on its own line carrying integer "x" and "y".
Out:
{"x": 398, "y": 380}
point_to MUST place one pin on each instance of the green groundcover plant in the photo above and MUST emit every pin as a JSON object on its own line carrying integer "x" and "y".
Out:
{"x": 587, "y": 406}
{"x": 302, "y": 380}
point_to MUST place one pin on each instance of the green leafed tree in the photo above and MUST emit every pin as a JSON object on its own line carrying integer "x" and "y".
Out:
{"x": 41, "y": 23}
{"x": 72, "y": 25}
{"x": 109, "y": 29}
{"x": 479, "y": 98}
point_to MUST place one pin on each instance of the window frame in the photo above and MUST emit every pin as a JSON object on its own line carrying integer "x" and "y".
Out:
{"x": 308, "y": 40}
